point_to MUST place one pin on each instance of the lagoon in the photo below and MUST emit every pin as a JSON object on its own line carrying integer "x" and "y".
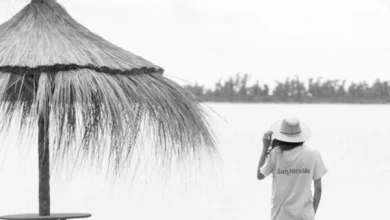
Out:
{"x": 353, "y": 141}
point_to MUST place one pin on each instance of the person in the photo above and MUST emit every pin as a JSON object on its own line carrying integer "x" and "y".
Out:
{"x": 294, "y": 166}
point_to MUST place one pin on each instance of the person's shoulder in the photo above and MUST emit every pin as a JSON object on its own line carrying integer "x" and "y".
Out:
{"x": 310, "y": 150}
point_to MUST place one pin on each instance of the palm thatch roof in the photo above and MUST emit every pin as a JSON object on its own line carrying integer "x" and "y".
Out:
{"x": 100, "y": 99}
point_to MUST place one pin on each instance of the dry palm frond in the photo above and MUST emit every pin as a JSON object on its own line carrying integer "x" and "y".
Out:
{"x": 43, "y": 35}
{"x": 101, "y": 100}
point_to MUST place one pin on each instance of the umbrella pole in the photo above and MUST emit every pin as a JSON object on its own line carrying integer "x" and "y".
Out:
{"x": 44, "y": 165}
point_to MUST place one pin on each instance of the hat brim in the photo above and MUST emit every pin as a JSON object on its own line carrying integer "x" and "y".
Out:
{"x": 301, "y": 137}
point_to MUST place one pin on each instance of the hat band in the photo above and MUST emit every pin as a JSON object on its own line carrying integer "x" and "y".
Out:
{"x": 287, "y": 133}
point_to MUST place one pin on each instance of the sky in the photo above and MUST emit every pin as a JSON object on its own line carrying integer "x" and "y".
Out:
{"x": 203, "y": 41}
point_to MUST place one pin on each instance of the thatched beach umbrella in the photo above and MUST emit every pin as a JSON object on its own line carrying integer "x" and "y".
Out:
{"x": 89, "y": 98}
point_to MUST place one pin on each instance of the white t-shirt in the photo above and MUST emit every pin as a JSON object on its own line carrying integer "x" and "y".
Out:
{"x": 293, "y": 172}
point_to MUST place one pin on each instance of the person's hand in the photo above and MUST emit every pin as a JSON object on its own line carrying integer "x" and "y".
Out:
{"x": 267, "y": 139}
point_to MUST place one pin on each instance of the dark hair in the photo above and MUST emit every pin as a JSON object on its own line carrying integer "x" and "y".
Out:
{"x": 283, "y": 146}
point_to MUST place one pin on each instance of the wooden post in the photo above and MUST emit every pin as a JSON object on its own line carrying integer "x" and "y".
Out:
{"x": 44, "y": 165}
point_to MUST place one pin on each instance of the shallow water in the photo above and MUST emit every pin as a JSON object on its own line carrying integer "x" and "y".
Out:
{"x": 353, "y": 140}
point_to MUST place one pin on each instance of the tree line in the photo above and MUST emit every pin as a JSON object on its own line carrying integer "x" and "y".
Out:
{"x": 293, "y": 90}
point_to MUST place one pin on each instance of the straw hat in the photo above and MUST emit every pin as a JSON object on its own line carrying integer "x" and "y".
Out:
{"x": 290, "y": 130}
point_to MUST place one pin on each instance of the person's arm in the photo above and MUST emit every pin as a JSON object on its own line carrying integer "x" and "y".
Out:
{"x": 318, "y": 171}
{"x": 263, "y": 157}
{"x": 317, "y": 194}
{"x": 266, "y": 142}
